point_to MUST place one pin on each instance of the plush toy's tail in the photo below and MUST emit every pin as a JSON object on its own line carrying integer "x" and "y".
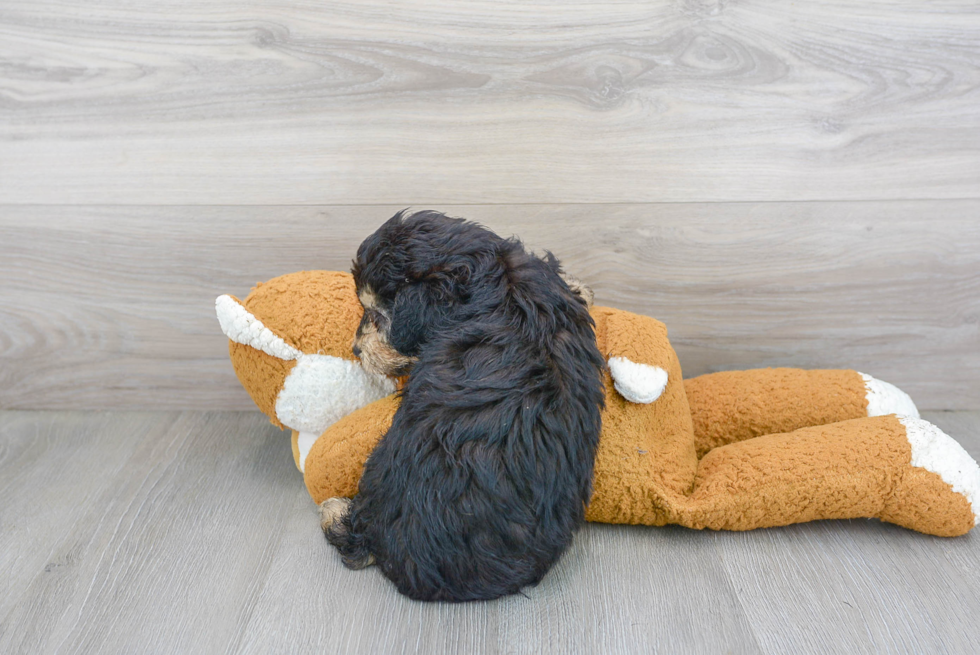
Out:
{"x": 903, "y": 470}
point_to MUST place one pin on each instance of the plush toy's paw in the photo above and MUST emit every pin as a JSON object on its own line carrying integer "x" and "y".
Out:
{"x": 936, "y": 451}
{"x": 885, "y": 398}
{"x": 637, "y": 383}
{"x": 304, "y": 443}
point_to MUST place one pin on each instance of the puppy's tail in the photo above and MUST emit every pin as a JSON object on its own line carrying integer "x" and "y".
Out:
{"x": 336, "y": 525}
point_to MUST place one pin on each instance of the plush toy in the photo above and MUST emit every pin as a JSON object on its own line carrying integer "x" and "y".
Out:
{"x": 729, "y": 451}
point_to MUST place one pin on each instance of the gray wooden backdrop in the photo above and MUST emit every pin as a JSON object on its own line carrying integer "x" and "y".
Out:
{"x": 781, "y": 183}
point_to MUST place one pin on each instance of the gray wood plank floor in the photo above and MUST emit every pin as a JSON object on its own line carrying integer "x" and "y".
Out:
{"x": 189, "y": 532}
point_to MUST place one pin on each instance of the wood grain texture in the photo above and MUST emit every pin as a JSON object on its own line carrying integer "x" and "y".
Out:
{"x": 614, "y": 592}
{"x": 192, "y": 533}
{"x": 165, "y": 554}
{"x": 50, "y": 466}
{"x": 860, "y": 586}
{"x": 296, "y": 102}
{"x": 113, "y": 306}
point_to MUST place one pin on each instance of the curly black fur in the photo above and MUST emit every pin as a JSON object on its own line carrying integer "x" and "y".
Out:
{"x": 479, "y": 485}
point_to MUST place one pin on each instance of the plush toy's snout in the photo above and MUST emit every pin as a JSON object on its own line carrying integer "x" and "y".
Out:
{"x": 305, "y": 379}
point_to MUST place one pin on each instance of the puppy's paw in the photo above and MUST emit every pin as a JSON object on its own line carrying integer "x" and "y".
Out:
{"x": 336, "y": 527}
{"x": 332, "y": 513}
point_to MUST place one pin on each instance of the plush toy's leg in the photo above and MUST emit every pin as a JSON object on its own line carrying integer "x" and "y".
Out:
{"x": 302, "y": 443}
{"x": 899, "y": 469}
{"x": 295, "y": 444}
{"x": 335, "y": 461}
{"x": 737, "y": 405}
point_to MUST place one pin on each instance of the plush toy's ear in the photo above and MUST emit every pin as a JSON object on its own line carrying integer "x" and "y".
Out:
{"x": 637, "y": 383}
{"x": 639, "y": 355}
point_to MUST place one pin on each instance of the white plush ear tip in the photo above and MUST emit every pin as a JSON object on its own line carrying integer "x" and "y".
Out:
{"x": 885, "y": 398}
{"x": 227, "y": 309}
{"x": 637, "y": 383}
{"x": 242, "y": 327}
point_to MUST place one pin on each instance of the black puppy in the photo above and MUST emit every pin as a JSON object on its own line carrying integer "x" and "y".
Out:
{"x": 483, "y": 477}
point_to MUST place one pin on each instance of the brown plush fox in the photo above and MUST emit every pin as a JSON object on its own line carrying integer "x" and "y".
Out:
{"x": 728, "y": 451}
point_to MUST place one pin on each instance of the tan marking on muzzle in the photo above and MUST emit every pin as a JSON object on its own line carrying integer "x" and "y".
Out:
{"x": 377, "y": 355}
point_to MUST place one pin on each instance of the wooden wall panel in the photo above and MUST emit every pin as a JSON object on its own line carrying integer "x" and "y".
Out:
{"x": 113, "y": 306}
{"x": 295, "y": 102}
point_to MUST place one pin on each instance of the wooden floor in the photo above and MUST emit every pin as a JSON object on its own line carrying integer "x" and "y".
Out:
{"x": 191, "y": 532}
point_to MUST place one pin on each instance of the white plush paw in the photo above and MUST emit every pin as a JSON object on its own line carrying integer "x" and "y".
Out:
{"x": 637, "y": 383}
{"x": 304, "y": 442}
{"x": 936, "y": 451}
{"x": 885, "y": 398}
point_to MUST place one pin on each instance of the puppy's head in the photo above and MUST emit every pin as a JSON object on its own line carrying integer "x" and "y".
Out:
{"x": 425, "y": 273}
{"x": 413, "y": 276}
{"x": 372, "y": 342}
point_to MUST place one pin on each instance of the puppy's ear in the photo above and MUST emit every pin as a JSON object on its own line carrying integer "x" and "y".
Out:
{"x": 412, "y": 315}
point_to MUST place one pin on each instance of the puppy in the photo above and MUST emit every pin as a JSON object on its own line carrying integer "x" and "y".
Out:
{"x": 479, "y": 485}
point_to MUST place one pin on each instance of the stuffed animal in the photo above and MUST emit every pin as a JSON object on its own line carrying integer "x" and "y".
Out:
{"x": 728, "y": 451}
